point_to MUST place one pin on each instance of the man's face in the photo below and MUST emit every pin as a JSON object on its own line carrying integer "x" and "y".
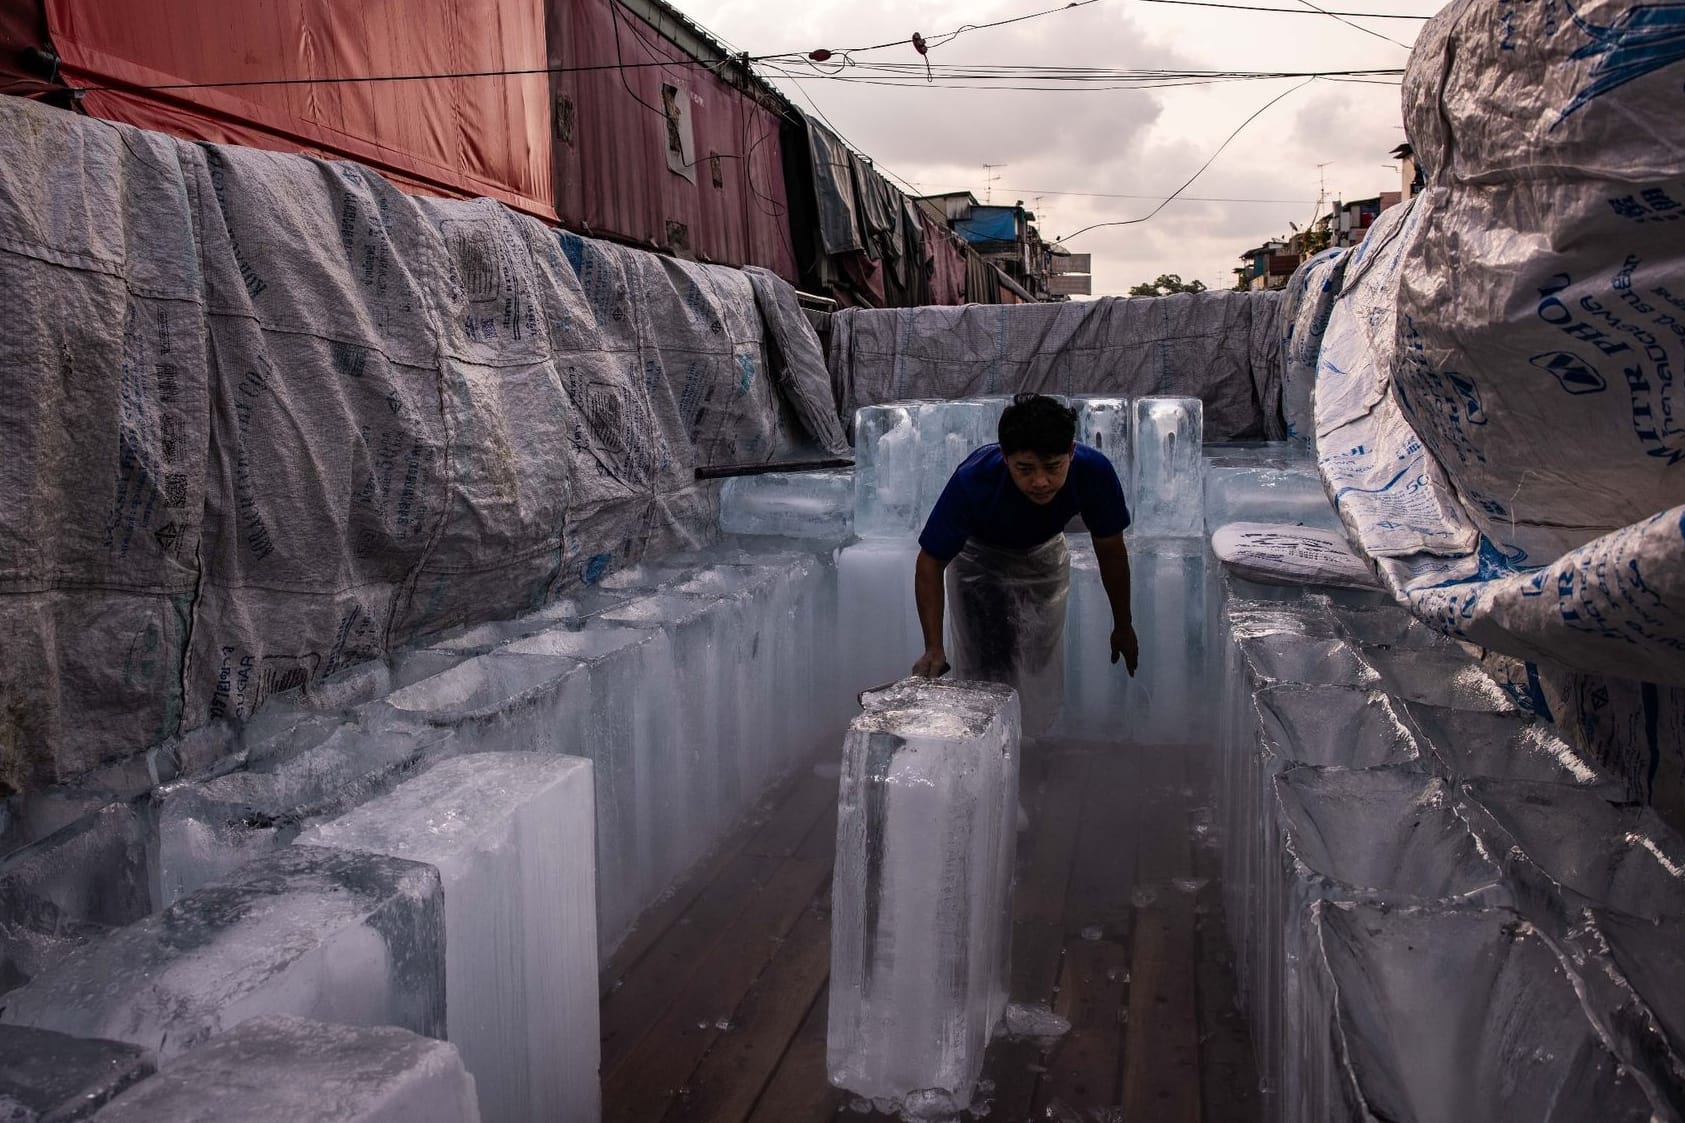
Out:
{"x": 1038, "y": 477}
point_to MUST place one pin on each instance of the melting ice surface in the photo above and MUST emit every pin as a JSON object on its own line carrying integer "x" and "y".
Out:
{"x": 918, "y": 978}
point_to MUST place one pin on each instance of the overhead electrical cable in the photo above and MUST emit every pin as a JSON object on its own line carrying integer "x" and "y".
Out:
{"x": 1257, "y": 113}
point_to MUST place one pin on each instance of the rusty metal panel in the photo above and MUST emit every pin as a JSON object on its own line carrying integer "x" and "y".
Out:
{"x": 1070, "y": 263}
{"x": 623, "y": 172}
{"x": 460, "y": 136}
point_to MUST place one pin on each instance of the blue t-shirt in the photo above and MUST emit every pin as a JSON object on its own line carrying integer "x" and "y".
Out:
{"x": 982, "y": 502}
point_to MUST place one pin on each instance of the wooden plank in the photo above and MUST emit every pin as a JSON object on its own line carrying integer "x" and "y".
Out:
{"x": 798, "y": 1091}
{"x": 730, "y": 1078}
{"x": 1228, "y": 1067}
{"x": 1051, "y": 783}
{"x": 1103, "y": 871}
{"x": 1161, "y": 1064}
{"x": 1084, "y": 1070}
{"x": 781, "y": 821}
{"x": 640, "y": 1082}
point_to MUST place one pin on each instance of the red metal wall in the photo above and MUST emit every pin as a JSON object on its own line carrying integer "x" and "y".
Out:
{"x": 468, "y": 136}
{"x": 612, "y": 175}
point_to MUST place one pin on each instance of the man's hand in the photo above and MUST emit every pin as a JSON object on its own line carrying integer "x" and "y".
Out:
{"x": 1123, "y": 643}
{"x": 932, "y": 664}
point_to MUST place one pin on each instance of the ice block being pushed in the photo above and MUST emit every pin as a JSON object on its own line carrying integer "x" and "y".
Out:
{"x": 921, "y": 900}
{"x": 291, "y": 1068}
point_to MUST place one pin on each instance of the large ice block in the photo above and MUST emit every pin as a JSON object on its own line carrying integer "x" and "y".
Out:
{"x": 879, "y": 626}
{"x": 1567, "y": 848}
{"x": 1100, "y": 698}
{"x": 56, "y": 1078}
{"x": 65, "y": 890}
{"x": 1388, "y": 626}
{"x": 352, "y": 938}
{"x": 208, "y": 829}
{"x": 494, "y": 704}
{"x": 1173, "y": 689}
{"x": 1339, "y": 726}
{"x": 1267, "y": 495}
{"x": 1470, "y": 744}
{"x": 1294, "y": 658}
{"x": 1438, "y": 677}
{"x": 697, "y": 777}
{"x": 1167, "y": 468}
{"x": 630, "y": 735}
{"x": 887, "y": 489}
{"x": 511, "y": 837}
{"x": 1631, "y": 970}
{"x": 1445, "y": 1016}
{"x": 1382, "y": 835}
{"x": 1103, "y": 424}
{"x": 904, "y": 453}
{"x": 921, "y": 899}
{"x": 281, "y": 1068}
{"x": 814, "y": 505}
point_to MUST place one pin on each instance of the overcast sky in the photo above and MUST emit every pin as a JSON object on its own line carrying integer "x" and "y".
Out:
{"x": 1065, "y": 152}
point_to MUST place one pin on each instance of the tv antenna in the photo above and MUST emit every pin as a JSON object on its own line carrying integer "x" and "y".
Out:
{"x": 989, "y": 177}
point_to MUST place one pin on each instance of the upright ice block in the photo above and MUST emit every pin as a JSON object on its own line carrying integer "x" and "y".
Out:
{"x": 879, "y": 630}
{"x": 812, "y": 505}
{"x": 280, "y": 1068}
{"x": 630, "y": 735}
{"x": 511, "y": 837}
{"x": 50, "y": 1076}
{"x": 886, "y": 466}
{"x": 904, "y": 453}
{"x": 352, "y": 938}
{"x": 1103, "y": 424}
{"x": 1167, "y": 468}
{"x": 921, "y": 899}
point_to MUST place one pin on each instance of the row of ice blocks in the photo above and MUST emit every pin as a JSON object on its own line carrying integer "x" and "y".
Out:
{"x": 1427, "y": 888}
{"x": 904, "y": 453}
{"x": 268, "y": 1068}
{"x": 921, "y": 897}
{"x": 1168, "y": 702}
{"x": 460, "y": 905}
{"x": 690, "y": 683}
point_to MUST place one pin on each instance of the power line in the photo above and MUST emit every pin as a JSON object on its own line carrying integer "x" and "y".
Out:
{"x": 1184, "y": 198}
{"x": 1357, "y": 26}
{"x": 1288, "y": 11}
{"x": 1259, "y": 112}
{"x": 943, "y": 38}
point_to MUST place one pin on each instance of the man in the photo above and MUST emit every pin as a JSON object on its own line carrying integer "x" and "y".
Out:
{"x": 997, "y": 534}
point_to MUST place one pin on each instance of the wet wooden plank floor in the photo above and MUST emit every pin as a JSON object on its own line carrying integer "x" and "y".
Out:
{"x": 715, "y": 1007}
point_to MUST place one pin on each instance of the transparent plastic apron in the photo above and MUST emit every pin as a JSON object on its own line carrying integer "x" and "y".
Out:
{"x": 1006, "y": 612}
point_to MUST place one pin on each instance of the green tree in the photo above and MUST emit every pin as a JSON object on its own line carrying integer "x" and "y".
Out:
{"x": 1166, "y": 284}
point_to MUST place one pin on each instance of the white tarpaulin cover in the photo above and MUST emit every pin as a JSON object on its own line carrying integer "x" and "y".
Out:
{"x": 1498, "y": 407}
{"x": 1287, "y": 554}
{"x": 1220, "y": 347}
{"x": 265, "y": 417}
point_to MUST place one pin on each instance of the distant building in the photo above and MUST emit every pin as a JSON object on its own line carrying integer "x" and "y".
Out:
{"x": 1268, "y": 266}
{"x": 1006, "y": 238}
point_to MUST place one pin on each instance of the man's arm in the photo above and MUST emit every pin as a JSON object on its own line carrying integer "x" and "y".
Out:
{"x": 1113, "y": 557}
{"x": 928, "y": 595}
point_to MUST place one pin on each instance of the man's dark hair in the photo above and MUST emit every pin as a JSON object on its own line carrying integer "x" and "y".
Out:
{"x": 1039, "y": 424}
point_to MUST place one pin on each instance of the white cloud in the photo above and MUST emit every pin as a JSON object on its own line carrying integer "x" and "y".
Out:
{"x": 1110, "y": 142}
